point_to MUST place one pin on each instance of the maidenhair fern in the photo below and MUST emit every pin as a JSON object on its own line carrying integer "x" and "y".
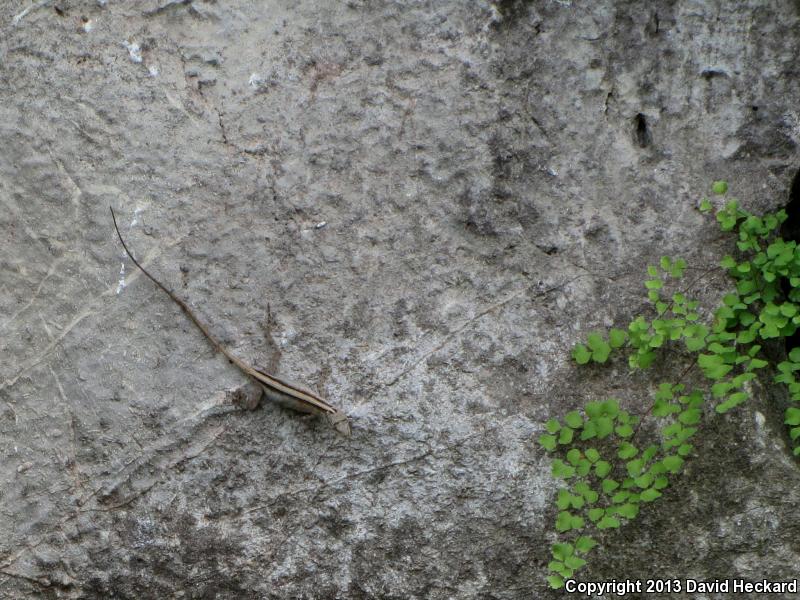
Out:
{"x": 609, "y": 463}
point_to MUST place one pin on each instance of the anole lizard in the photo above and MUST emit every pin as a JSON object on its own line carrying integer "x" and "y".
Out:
{"x": 274, "y": 388}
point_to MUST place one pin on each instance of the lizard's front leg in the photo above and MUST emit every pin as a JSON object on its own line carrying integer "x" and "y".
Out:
{"x": 247, "y": 396}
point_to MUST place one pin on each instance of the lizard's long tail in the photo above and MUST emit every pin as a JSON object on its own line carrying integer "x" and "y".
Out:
{"x": 184, "y": 307}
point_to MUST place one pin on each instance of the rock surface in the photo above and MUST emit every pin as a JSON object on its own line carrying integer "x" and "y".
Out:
{"x": 414, "y": 208}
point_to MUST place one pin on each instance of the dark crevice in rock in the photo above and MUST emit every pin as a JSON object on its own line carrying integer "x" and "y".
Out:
{"x": 709, "y": 74}
{"x": 790, "y": 231}
{"x": 641, "y": 132}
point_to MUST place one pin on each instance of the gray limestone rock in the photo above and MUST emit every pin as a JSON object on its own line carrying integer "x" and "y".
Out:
{"x": 415, "y": 208}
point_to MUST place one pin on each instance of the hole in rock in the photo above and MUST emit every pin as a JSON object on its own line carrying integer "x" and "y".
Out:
{"x": 641, "y": 133}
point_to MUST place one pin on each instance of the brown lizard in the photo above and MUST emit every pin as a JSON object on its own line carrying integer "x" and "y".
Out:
{"x": 275, "y": 389}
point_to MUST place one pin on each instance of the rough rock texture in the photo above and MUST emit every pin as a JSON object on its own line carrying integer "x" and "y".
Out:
{"x": 415, "y": 208}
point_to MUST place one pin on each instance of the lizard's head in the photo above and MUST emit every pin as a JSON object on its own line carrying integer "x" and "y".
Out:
{"x": 339, "y": 422}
